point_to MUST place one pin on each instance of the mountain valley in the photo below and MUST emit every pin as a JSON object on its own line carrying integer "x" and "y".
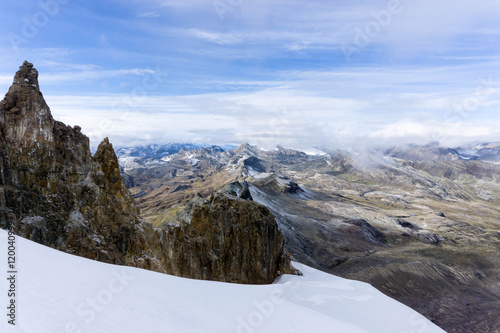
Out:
{"x": 418, "y": 222}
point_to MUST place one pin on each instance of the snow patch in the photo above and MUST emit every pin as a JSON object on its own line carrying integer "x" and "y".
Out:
{"x": 32, "y": 220}
{"x": 98, "y": 239}
{"x": 76, "y": 219}
{"x": 57, "y": 289}
{"x": 262, "y": 175}
{"x": 283, "y": 180}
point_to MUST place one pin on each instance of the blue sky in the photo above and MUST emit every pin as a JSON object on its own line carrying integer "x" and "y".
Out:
{"x": 294, "y": 73}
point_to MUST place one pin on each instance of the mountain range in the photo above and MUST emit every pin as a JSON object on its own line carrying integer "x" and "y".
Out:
{"x": 419, "y": 222}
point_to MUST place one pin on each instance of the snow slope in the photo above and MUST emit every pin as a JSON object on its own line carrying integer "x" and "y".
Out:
{"x": 59, "y": 293}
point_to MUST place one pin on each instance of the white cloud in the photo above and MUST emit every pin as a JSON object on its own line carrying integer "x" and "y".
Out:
{"x": 447, "y": 133}
{"x": 217, "y": 38}
{"x": 331, "y": 108}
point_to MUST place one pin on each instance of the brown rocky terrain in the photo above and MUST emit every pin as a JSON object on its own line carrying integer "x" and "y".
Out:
{"x": 212, "y": 240}
{"x": 53, "y": 191}
{"x": 420, "y": 223}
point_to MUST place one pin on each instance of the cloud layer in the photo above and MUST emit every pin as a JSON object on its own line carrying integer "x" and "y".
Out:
{"x": 269, "y": 72}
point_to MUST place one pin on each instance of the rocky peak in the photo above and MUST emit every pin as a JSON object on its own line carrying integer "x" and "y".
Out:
{"x": 246, "y": 148}
{"x": 24, "y": 94}
{"x": 285, "y": 152}
{"x": 106, "y": 158}
{"x": 27, "y": 128}
{"x": 27, "y": 75}
{"x": 54, "y": 192}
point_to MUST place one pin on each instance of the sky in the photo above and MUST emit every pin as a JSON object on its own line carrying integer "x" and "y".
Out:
{"x": 294, "y": 73}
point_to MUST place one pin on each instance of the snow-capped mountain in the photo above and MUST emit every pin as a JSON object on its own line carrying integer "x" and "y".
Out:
{"x": 153, "y": 154}
{"x": 58, "y": 292}
{"x": 156, "y": 151}
{"x": 488, "y": 152}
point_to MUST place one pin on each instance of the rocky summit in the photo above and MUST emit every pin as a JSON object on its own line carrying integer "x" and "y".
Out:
{"x": 53, "y": 191}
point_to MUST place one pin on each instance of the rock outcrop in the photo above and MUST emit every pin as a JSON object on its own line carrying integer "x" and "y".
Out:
{"x": 215, "y": 237}
{"x": 53, "y": 191}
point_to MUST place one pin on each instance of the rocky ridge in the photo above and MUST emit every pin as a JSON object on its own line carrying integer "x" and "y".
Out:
{"x": 53, "y": 191}
{"x": 238, "y": 231}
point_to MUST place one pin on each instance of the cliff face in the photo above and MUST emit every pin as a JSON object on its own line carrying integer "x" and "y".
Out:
{"x": 53, "y": 191}
{"x": 224, "y": 239}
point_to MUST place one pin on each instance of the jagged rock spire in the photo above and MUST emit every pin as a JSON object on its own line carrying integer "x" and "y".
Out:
{"x": 26, "y": 129}
{"x": 27, "y": 75}
{"x": 23, "y": 112}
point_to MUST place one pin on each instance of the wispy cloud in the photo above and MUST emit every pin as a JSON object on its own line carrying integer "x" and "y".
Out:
{"x": 92, "y": 75}
{"x": 61, "y": 66}
{"x": 217, "y": 38}
{"x": 150, "y": 14}
{"x": 334, "y": 108}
